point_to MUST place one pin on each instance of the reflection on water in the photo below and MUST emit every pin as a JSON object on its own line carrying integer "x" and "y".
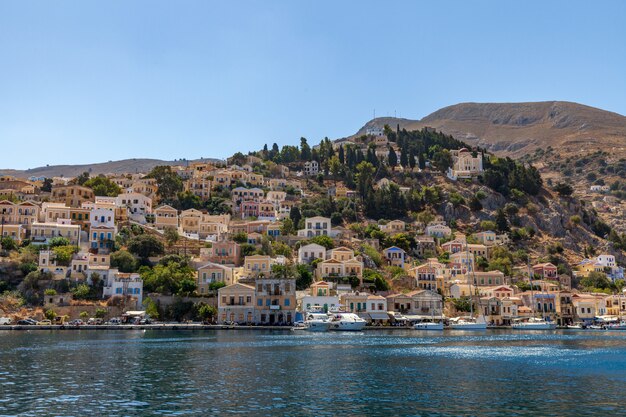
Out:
{"x": 297, "y": 373}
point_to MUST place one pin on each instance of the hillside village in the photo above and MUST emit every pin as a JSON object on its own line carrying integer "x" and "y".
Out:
{"x": 393, "y": 225}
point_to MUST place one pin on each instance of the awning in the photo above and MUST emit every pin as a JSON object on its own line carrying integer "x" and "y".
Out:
{"x": 379, "y": 316}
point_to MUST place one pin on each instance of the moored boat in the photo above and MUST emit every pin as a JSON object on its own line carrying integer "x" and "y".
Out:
{"x": 346, "y": 322}
{"x": 534, "y": 324}
{"x": 428, "y": 325}
{"x": 317, "y": 322}
{"x": 469, "y": 323}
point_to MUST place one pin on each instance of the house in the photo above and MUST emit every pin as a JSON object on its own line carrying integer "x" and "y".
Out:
{"x": 42, "y": 232}
{"x": 487, "y": 238}
{"x": 376, "y": 309}
{"x": 124, "y": 284}
{"x": 491, "y": 308}
{"x": 588, "y": 306}
{"x": 225, "y": 253}
{"x": 425, "y": 277}
{"x": 48, "y": 263}
{"x": 236, "y": 304}
{"x": 354, "y": 302}
{"x": 319, "y": 298}
{"x": 465, "y": 164}
{"x": 545, "y": 270}
{"x": 393, "y": 227}
{"x": 308, "y": 253}
{"x": 71, "y": 195}
{"x": 438, "y": 230}
{"x": 425, "y": 246}
{"x": 417, "y": 305}
{"x": 311, "y": 168}
{"x": 317, "y": 226}
{"x": 190, "y": 221}
{"x": 165, "y": 216}
{"x": 395, "y": 256}
{"x": 257, "y": 265}
{"x": 212, "y": 273}
{"x": 602, "y": 263}
{"x": 275, "y": 300}
{"x": 136, "y": 204}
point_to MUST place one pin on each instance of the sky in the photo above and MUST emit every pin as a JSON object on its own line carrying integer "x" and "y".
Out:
{"x": 92, "y": 81}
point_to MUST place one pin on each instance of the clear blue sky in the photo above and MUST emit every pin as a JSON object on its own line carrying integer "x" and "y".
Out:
{"x": 91, "y": 81}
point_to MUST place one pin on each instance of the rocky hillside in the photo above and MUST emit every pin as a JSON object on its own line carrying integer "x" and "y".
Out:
{"x": 516, "y": 129}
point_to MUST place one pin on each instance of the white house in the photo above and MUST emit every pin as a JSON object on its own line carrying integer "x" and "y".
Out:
{"x": 310, "y": 252}
{"x": 317, "y": 226}
{"x": 438, "y": 230}
{"x": 122, "y": 284}
{"x": 311, "y": 168}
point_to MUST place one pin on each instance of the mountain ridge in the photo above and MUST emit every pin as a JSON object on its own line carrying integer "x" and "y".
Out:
{"x": 515, "y": 129}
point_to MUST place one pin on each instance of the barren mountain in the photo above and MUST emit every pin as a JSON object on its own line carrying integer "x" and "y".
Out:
{"x": 516, "y": 129}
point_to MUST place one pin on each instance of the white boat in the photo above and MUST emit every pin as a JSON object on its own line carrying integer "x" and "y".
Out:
{"x": 346, "y": 322}
{"x": 534, "y": 324}
{"x": 469, "y": 324}
{"x": 575, "y": 326}
{"x": 616, "y": 326}
{"x": 428, "y": 325}
{"x": 316, "y": 322}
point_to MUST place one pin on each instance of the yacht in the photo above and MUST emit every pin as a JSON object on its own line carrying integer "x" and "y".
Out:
{"x": 428, "y": 325}
{"x": 575, "y": 326}
{"x": 316, "y": 322}
{"x": 469, "y": 323}
{"x": 534, "y": 324}
{"x": 346, "y": 322}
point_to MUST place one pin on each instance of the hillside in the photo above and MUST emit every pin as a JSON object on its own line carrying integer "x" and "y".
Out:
{"x": 516, "y": 129}
{"x": 111, "y": 167}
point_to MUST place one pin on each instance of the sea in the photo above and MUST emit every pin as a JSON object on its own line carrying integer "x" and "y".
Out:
{"x": 297, "y": 373}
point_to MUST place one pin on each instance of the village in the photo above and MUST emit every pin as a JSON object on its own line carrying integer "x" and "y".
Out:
{"x": 242, "y": 242}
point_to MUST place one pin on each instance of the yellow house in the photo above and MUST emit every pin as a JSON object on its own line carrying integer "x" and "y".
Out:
{"x": 256, "y": 265}
{"x": 236, "y": 303}
{"x": 165, "y": 216}
{"x": 212, "y": 273}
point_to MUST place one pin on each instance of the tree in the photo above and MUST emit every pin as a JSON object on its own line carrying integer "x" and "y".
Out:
{"x": 58, "y": 241}
{"x": 442, "y": 160}
{"x": 501, "y": 221}
{"x": 47, "y": 185}
{"x": 564, "y": 190}
{"x": 392, "y": 158}
{"x": 295, "y": 216}
{"x": 50, "y": 314}
{"x": 325, "y": 241}
{"x": 304, "y": 277}
{"x": 8, "y": 244}
{"x": 84, "y": 315}
{"x": 305, "y": 150}
{"x": 81, "y": 291}
{"x": 151, "y": 308}
{"x": 103, "y": 186}
{"x": 82, "y": 178}
{"x": 171, "y": 236}
{"x": 240, "y": 237}
{"x": 188, "y": 200}
{"x": 187, "y": 286}
{"x": 207, "y": 313}
{"x": 145, "y": 246}
{"x": 124, "y": 261}
{"x": 168, "y": 181}
{"x": 595, "y": 280}
{"x": 100, "y": 313}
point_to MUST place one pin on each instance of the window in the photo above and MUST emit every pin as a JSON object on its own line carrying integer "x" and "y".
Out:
{"x": 259, "y": 302}
{"x": 287, "y": 302}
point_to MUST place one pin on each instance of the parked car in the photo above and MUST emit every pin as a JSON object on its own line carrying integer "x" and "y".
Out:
{"x": 76, "y": 322}
{"x": 95, "y": 320}
{"x": 27, "y": 322}
{"x": 44, "y": 323}
{"x": 115, "y": 321}
{"x": 6, "y": 321}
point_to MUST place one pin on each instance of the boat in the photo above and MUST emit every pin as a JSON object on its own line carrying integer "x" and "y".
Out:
{"x": 316, "y": 322}
{"x": 575, "y": 326}
{"x": 534, "y": 323}
{"x": 346, "y": 322}
{"x": 616, "y": 326}
{"x": 428, "y": 325}
{"x": 469, "y": 323}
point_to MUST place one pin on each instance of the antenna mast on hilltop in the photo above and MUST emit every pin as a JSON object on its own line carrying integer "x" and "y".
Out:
{"x": 374, "y": 113}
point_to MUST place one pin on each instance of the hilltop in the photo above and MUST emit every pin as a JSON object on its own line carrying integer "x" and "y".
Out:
{"x": 516, "y": 129}
{"x": 134, "y": 165}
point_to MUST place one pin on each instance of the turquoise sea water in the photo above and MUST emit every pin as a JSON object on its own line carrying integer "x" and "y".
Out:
{"x": 283, "y": 373}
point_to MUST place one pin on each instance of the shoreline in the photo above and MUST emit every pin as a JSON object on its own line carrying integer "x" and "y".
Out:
{"x": 196, "y": 326}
